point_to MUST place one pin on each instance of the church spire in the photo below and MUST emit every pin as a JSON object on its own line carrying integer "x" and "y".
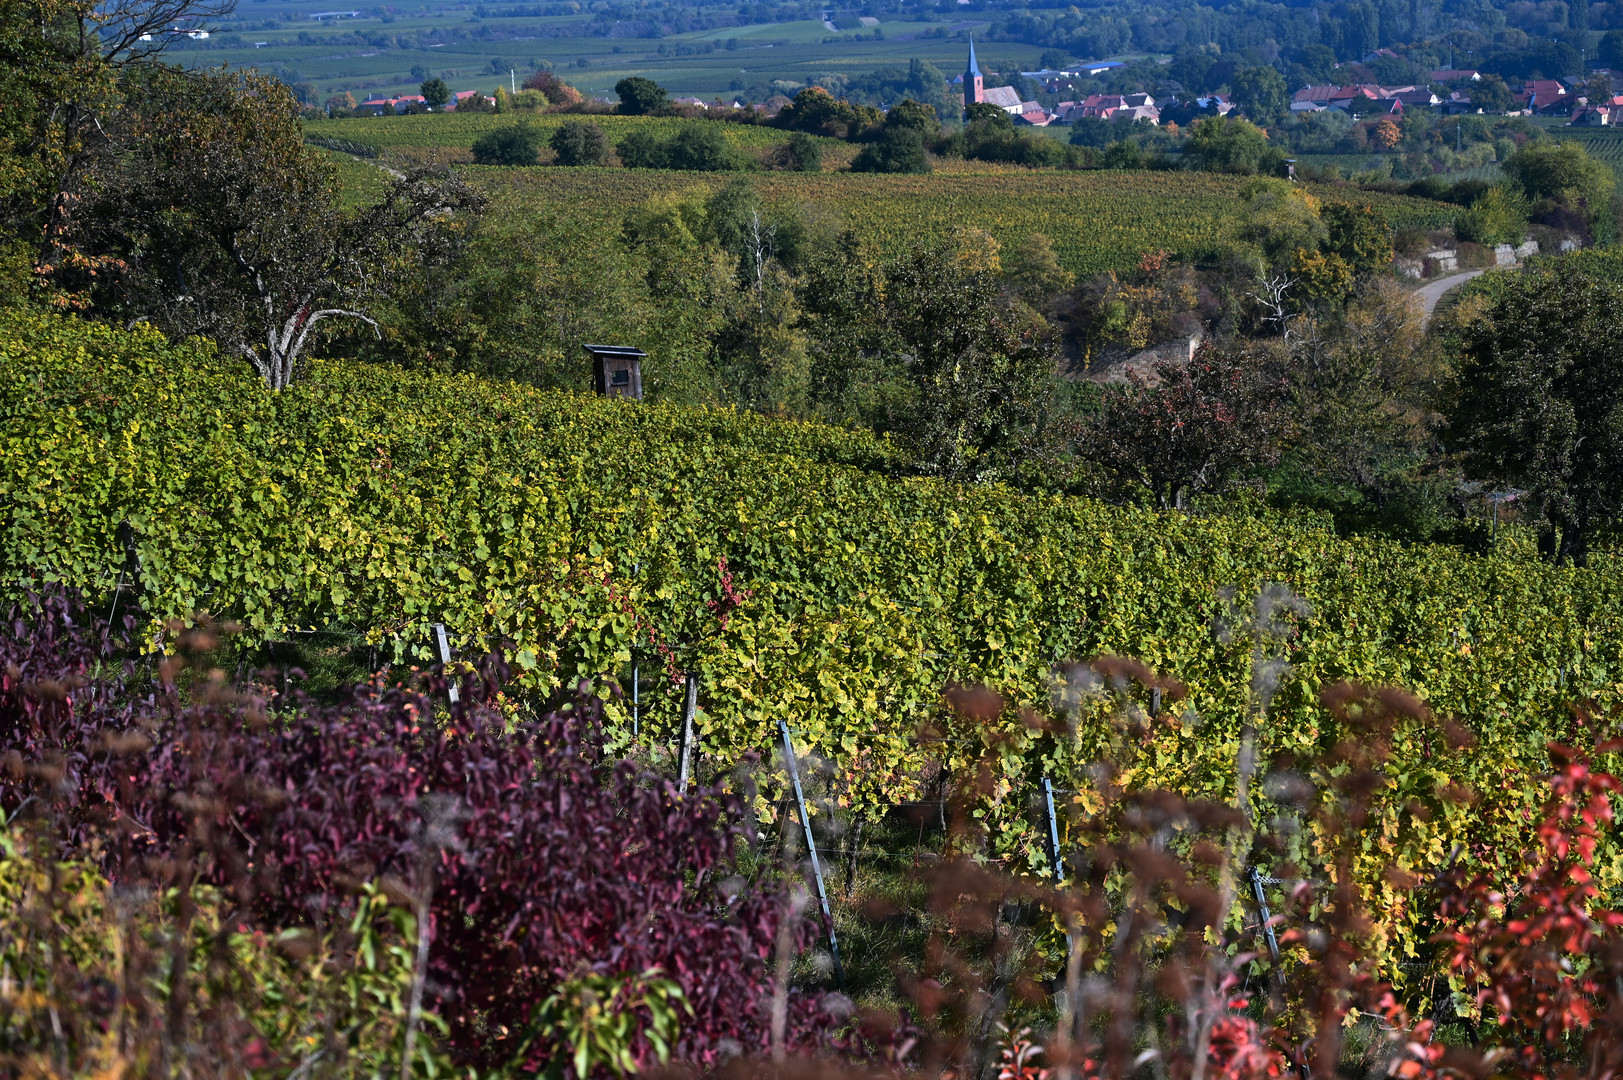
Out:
{"x": 974, "y": 85}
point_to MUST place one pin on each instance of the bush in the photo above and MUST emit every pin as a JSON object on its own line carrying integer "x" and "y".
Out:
{"x": 530, "y": 875}
{"x": 516, "y": 145}
{"x": 802, "y": 153}
{"x": 642, "y": 150}
{"x": 1498, "y": 216}
{"x": 580, "y": 142}
{"x": 897, "y": 150}
{"x": 699, "y": 146}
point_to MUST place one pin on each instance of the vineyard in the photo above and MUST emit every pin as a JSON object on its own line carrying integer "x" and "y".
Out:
{"x": 460, "y": 130}
{"x": 1098, "y": 220}
{"x": 797, "y": 575}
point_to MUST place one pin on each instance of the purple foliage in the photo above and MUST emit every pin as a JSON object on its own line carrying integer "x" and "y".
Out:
{"x": 543, "y": 861}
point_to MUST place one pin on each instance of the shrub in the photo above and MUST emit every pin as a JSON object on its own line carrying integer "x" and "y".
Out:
{"x": 802, "y": 153}
{"x": 580, "y": 142}
{"x": 897, "y": 150}
{"x": 699, "y": 146}
{"x": 526, "y": 876}
{"x": 519, "y": 144}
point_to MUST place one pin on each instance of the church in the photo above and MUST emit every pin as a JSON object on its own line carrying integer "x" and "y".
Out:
{"x": 1006, "y": 98}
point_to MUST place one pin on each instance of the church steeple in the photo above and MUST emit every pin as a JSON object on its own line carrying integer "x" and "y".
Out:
{"x": 974, "y": 85}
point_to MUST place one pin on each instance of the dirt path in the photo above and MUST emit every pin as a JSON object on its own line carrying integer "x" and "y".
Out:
{"x": 1433, "y": 291}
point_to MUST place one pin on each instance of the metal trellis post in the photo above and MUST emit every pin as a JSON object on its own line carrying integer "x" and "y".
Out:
{"x": 690, "y": 705}
{"x": 811, "y": 845}
{"x": 1267, "y": 919}
{"x": 1053, "y": 831}
{"x": 451, "y": 690}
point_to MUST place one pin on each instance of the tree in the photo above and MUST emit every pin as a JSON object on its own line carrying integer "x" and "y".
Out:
{"x": 640, "y": 96}
{"x": 910, "y": 114}
{"x": 63, "y": 69}
{"x": 519, "y": 144}
{"x": 1563, "y": 171}
{"x": 580, "y": 142}
{"x": 1610, "y": 51}
{"x": 897, "y": 150}
{"x": 818, "y": 112}
{"x": 1497, "y": 216}
{"x": 1261, "y": 94}
{"x": 1387, "y": 134}
{"x": 1541, "y": 401}
{"x": 556, "y": 90}
{"x": 980, "y": 370}
{"x": 1491, "y": 95}
{"x": 641, "y": 150}
{"x": 1189, "y": 426}
{"x": 802, "y": 153}
{"x": 231, "y": 228}
{"x": 1230, "y": 144}
{"x": 435, "y": 92}
{"x": 1280, "y": 219}
{"x": 1359, "y": 235}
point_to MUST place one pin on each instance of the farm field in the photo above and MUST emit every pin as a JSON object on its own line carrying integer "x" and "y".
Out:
{"x": 429, "y": 130}
{"x": 476, "y": 48}
{"x": 1098, "y": 221}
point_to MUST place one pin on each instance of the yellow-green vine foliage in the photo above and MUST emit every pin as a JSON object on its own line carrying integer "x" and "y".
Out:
{"x": 382, "y": 501}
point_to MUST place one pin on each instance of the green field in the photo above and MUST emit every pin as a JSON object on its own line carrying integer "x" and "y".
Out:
{"x": 375, "y": 55}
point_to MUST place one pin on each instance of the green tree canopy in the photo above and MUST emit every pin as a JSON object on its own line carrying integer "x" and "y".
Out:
{"x": 580, "y": 142}
{"x": 1261, "y": 93}
{"x": 910, "y": 114}
{"x": 640, "y": 96}
{"x": 435, "y": 92}
{"x": 897, "y": 150}
{"x": 1563, "y": 171}
{"x": 1541, "y": 401}
{"x": 1230, "y": 144}
{"x": 519, "y": 144}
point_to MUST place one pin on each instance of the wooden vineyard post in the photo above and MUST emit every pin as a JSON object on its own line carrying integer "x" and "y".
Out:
{"x": 451, "y": 690}
{"x": 811, "y": 845}
{"x": 690, "y": 706}
{"x": 635, "y": 700}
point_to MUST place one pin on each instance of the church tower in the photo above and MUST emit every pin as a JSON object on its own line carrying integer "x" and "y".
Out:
{"x": 974, "y": 85}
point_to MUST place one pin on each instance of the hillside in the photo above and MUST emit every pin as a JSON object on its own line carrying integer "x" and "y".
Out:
{"x": 1098, "y": 220}
{"x": 782, "y": 562}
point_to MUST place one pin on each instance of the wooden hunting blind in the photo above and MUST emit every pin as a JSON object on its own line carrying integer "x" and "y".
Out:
{"x": 617, "y": 370}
